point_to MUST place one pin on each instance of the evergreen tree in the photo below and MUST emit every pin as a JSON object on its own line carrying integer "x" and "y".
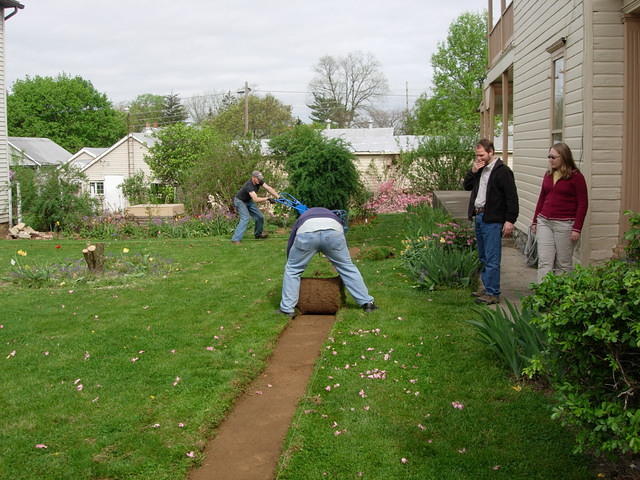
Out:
{"x": 321, "y": 171}
{"x": 172, "y": 110}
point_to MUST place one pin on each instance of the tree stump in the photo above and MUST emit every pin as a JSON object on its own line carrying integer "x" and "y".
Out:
{"x": 94, "y": 256}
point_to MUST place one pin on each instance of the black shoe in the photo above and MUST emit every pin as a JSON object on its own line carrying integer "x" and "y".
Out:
{"x": 369, "y": 307}
{"x": 261, "y": 236}
{"x": 288, "y": 314}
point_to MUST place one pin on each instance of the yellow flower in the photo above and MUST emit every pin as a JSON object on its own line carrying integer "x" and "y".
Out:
{"x": 125, "y": 250}
{"x": 517, "y": 388}
{"x": 442, "y": 240}
{"x": 22, "y": 253}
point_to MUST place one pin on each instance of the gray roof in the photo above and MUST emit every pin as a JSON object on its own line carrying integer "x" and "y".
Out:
{"x": 373, "y": 140}
{"x": 40, "y": 151}
{"x": 92, "y": 154}
{"x": 141, "y": 137}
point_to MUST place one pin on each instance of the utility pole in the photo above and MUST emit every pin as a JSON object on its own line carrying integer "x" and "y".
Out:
{"x": 406, "y": 93}
{"x": 246, "y": 107}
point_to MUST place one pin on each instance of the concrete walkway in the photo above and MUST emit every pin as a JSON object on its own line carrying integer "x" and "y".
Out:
{"x": 515, "y": 276}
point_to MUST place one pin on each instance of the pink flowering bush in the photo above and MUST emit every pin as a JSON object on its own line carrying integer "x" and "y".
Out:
{"x": 392, "y": 199}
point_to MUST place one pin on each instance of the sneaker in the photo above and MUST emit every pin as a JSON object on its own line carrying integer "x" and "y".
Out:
{"x": 478, "y": 293}
{"x": 261, "y": 236}
{"x": 369, "y": 307}
{"x": 288, "y": 314}
{"x": 488, "y": 299}
{"x": 235, "y": 242}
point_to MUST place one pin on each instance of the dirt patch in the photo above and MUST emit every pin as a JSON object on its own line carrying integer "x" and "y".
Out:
{"x": 320, "y": 295}
{"x": 248, "y": 443}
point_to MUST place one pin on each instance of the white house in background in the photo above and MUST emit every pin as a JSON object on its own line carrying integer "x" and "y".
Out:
{"x": 376, "y": 151}
{"x": 5, "y": 189}
{"x": 84, "y": 156}
{"x": 107, "y": 170}
{"x": 36, "y": 152}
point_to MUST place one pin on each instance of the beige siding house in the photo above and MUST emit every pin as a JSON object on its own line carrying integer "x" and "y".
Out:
{"x": 85, "y": 156}
{"x": 376, "y": 151}
{"x": 107, "y": 170}
{"x": 569, "y": 71}
{"x": 8, "y": 8}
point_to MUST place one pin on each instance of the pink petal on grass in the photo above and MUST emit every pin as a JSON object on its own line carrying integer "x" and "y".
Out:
{"x": 191, "y": 454}
{"x": 41, "y": 445}
{"x": 457, "y": 405}
{"x": 404, "y": 460}
{"x": 181, "y": 425}
{"x": 211, "y": 349}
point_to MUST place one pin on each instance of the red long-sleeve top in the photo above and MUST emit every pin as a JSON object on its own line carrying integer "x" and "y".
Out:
{"x": 566, "y": 200}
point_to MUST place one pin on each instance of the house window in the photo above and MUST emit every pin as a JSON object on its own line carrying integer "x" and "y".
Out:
{"x": 96, "y": 188}
{"x": 557, "y": 103}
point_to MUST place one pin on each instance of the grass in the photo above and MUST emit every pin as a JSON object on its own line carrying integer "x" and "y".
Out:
{"x": 108, "y": 429}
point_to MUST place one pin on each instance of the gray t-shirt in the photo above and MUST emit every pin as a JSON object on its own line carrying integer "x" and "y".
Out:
{"x": 243, "y": 193}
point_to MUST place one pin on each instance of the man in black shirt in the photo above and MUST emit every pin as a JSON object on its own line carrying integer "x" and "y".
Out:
{"x": 245, "y": 203}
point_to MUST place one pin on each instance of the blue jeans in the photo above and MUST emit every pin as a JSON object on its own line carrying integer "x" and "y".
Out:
{"x": 333, "y": 244}
{"x": 489, "y": 240}
{"x": 244, "y": 211}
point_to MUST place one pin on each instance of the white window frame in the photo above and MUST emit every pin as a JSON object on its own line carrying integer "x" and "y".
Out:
{"x": 95, "y": 187}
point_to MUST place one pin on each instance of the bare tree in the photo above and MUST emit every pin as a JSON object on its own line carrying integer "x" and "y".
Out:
{"x": 207, "y": 105}
{"x": 352, "y": 82}
{"x": 376, "y": 117}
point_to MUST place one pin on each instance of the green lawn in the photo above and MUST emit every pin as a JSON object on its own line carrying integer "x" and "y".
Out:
{"x": 160, "y": 360}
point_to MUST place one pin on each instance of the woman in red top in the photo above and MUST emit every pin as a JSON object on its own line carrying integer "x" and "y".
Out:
{"x": 560, "y": 212}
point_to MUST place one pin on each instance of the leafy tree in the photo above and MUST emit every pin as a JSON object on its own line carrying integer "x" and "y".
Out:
{"x": 65, "y": 109}
{"x": 145, "y": 109}
{"x": 177, "y": 150}
{"x": 51, "y": 198}
{"x": 459, "y": 66}
{"x": 268, "y": 117}
{"x": 352, "y": 83}
{"x": 172, "y": 110}
{"x": 439, "y": 163}
{"x": 321, "y": 171}
{"x": 222, "y": 170}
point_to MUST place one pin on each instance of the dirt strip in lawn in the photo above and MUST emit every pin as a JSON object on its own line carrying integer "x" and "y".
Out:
{"x": 248, "y": 443}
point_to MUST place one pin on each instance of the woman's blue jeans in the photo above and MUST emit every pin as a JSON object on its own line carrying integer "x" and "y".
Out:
{"x": 489, "y": 241}
{"x": 246, "y": 210}
{"x": 333, "y": 244}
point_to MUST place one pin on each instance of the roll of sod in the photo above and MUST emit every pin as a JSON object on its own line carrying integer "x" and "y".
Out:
{"x": 320, "y": 295}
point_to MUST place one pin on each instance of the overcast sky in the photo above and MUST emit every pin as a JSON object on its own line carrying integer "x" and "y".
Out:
{"x": 202, "y": 46}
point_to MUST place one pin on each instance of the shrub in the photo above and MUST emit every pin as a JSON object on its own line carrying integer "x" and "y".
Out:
{"x": 321, "y": 172}
{"x": 592, "y": 319}
{"x": 439, "y": 163}
{"x": 632, "y": 236}
{"x": 138, "y": 189}
{"x": 51, "y": 198}
{"x": 392, "y": 199}
{"x": 510, "y": 334}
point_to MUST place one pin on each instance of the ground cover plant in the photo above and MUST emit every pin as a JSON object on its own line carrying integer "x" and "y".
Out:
{"x": 128, "y": 381}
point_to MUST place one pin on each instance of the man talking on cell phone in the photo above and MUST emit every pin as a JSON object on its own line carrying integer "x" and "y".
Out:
{"x": 493, "y": 208}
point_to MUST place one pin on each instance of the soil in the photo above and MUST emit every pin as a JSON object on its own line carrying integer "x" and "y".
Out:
{"x": 320, "y": 295}
{"x": 248, "y": 443}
